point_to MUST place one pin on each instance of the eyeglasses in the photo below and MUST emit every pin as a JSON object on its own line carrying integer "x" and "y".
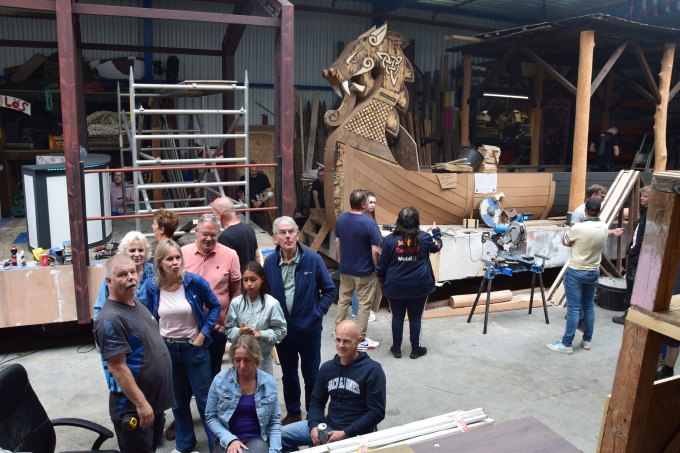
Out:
{"x": 209, "y": 235}
{"x": 284, "y": 233}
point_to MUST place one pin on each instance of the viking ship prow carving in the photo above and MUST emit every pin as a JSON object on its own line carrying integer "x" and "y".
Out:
{"x": 369, "y": 148}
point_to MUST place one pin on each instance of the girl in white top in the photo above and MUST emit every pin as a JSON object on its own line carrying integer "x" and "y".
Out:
{"x": 256, "y": 313}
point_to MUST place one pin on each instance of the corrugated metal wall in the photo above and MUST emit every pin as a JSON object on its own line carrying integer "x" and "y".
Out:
{"x": 316, "y": 38}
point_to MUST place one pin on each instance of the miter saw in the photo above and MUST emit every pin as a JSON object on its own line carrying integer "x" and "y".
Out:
{"x": 508, "y": 226}
{"x": 508, "y": 229}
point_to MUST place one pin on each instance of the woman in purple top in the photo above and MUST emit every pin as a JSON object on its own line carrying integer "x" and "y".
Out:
{"x": 243, "y": 404}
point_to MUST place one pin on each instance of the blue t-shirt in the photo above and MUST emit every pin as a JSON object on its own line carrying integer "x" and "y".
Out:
{"x": 357, "y": 233}
{"x": 244, "y": 423}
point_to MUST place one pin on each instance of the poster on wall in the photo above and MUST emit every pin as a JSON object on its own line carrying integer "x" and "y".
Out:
{"x": 13, "y": 103}
{"x": 486, "y": 182}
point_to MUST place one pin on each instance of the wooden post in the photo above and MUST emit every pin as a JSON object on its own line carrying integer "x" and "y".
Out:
{"x": 607, "y": 100}
{"x": 464, "y": 105}
{"x": 156, "y": 176}
{"x": 636, "y": 367}
{"x": 580, "y": 152}
{"x": 661, "y": 115}
{"x": 538, "y": 117}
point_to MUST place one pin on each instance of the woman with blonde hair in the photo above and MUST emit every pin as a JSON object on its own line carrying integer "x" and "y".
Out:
{"x": 243, "y": 405}
{"x": 134, "y": 245}
{"x": 177, "y": 298}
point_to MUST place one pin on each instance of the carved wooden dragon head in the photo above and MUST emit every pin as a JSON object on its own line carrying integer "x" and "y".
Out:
{"x": 376, "y": 52}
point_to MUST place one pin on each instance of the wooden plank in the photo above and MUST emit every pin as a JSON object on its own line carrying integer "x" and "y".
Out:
{"x": 665, "y": 322}
{"x": 661, "y": 113}
{"x": 646, "y": 71}
{"x": 607, "y": 67}
{"x": 493, "y": 308}
{"x": 538, "y": 117}
{"x": 552, "y": 71}
{"x": 463, "y": 38}
{"x": 634, "y": 85}
{"x": 467, "y": 300}
{"x": 302, "y": 137}
{"x": 312, "y": 130}
{"x": 465, "y": 102}
{"x": 604, "y": 419}
{"x": 674, "y": 91}
{"x": 320, "y": 236}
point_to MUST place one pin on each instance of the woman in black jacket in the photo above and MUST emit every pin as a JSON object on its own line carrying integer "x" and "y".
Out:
{"x": 405, "y": 274}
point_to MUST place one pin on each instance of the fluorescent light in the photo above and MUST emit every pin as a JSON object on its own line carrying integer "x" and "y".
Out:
{"x": 513, "y": 96}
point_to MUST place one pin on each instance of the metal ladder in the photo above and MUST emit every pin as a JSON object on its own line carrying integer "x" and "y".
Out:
{"x": 173, "y": 153}
{"x": 643, "y": 160}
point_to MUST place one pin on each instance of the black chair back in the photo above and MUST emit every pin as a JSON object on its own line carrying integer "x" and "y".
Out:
{"x": 24, "y": 424}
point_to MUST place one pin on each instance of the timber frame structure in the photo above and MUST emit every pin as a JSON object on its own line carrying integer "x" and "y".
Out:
{"x": 572, "y": 43}
{"x": 272, "y": 13}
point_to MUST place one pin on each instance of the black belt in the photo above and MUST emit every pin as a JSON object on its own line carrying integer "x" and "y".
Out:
{"x": 178, "y": 340}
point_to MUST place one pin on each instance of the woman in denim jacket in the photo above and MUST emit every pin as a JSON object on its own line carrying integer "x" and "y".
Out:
{"x": 243, "y": 404}
{"x": 177, "y": 299}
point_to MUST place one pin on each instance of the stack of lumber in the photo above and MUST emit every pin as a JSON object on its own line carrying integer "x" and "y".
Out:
{"x": 454, "y": 166}
{"x": 492, "y": 154}
{"x": 500, "y": 301}
{"x": 411, "y": 433}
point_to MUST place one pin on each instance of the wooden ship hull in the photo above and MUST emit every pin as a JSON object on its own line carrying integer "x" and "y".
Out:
{"x": 348, "y": 168}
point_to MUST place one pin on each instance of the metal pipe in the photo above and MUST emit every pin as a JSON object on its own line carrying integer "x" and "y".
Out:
{"x": 174, "y": 167}
{"x": 180, "y": 185}
{"x": 246, "y": 144}
{"x": 158, "y": 160}
{"x": 172, "y": 200}
{"x": 171, "y": 148}
{"x": 172, "y": 130}
{"x": 186, "y": 112}
{"x": 187, "y": 136}
{"x": 205, "y": 211}
{"x": 133, "y": 145}
{"x": 193, "y": 86}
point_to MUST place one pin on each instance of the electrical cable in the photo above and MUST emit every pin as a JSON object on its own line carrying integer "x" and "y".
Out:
{"x": 20, "y": 356}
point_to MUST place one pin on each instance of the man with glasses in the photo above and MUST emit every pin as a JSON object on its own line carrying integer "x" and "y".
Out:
{"x": 219, "y": 265}
{"x": 301, "y": 283}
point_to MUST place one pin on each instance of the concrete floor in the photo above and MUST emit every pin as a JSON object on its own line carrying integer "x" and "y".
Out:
{"x": 509, "y": 372}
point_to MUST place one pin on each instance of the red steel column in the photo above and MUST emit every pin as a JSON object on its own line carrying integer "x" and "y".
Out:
{"x": 69, "y": 112}
{"x": 284, "y": 104}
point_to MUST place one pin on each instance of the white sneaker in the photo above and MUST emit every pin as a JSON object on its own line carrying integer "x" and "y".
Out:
{"x": 368, "y": 344}
{"x": 586, "y": 344}
{"x": 559, "y": 347}
{"x": 353, "y": 315}
{"x": 371, "y": 317}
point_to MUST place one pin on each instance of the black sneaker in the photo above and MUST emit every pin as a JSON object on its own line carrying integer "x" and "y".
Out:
{"x": 619, "y": 319}
{"x": 664, "y": 372}
{"x": 396, "y": 352}
{"x": 418, "y": 352}
{"x": 581, "y": 325}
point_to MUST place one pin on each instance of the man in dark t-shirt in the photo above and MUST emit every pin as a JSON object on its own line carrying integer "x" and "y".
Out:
{"x": 136, "y": 361}
{"x": 606, "y": 148}
{"x": 357, "y": 246}
{"x": 318, "y": 200}
{"x": 259, "y": 185}
{"x": 237, "y": 235}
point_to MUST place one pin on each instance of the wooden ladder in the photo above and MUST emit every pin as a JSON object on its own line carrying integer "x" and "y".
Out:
{"x": 643, "y": 159}
{"x": 316, "y": 229}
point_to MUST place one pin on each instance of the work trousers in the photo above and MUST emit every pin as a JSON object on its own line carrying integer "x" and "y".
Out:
{"x": 139, "y": 440}
{"x": 307, "y": 352}
{"x": 365, "y": 288}
{"x": 415, "y": 306}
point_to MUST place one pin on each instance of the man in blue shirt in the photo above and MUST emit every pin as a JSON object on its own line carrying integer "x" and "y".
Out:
{"x": 357, "y": 247}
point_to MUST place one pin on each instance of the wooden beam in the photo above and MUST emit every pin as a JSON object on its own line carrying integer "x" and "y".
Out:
{"x": 634, "y": 85}
{"x": 171, "y": 14}
{"x": 40, "y": 5}
{"x": 69, "y": 107}
{"x": 607, "y": 67}
{"x": 607, "y": 100}
{"x": 538, "y": 117}
{"x": 463, "y": 38}
{"x": 262, "y": 8}
{"x": 114, "y": 47}
{"x": 639, "y": 54}
{"x": 465, "y": 101}
{"x": 550, "y": 70}
{"x": 490, "y": 75}
{"x": 661, "y": 114}
{"x": 674, "y": 91}
{"x": 284, "y": 106}
{"x": 581, "y": 124}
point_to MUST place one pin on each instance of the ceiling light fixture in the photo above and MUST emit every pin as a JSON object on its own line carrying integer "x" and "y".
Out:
{"x": 498, "y": 95}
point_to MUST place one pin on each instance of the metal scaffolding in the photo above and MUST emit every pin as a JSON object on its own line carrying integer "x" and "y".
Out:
{"x": 196, "y": 150}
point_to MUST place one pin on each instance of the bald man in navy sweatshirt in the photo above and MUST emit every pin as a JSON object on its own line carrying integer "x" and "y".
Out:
{"x": 356, "y": 386}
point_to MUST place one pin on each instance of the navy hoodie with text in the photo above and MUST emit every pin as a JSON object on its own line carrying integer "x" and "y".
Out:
{"x": 357, "y": 392}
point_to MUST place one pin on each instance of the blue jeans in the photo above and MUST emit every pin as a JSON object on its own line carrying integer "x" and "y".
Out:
{"x": 355, "y": 304}
{"x": 189, "y": 363}
{"x": 296, "y": 435}
{"x": 309, "y": 351}
{"x": 579, "y": 287}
